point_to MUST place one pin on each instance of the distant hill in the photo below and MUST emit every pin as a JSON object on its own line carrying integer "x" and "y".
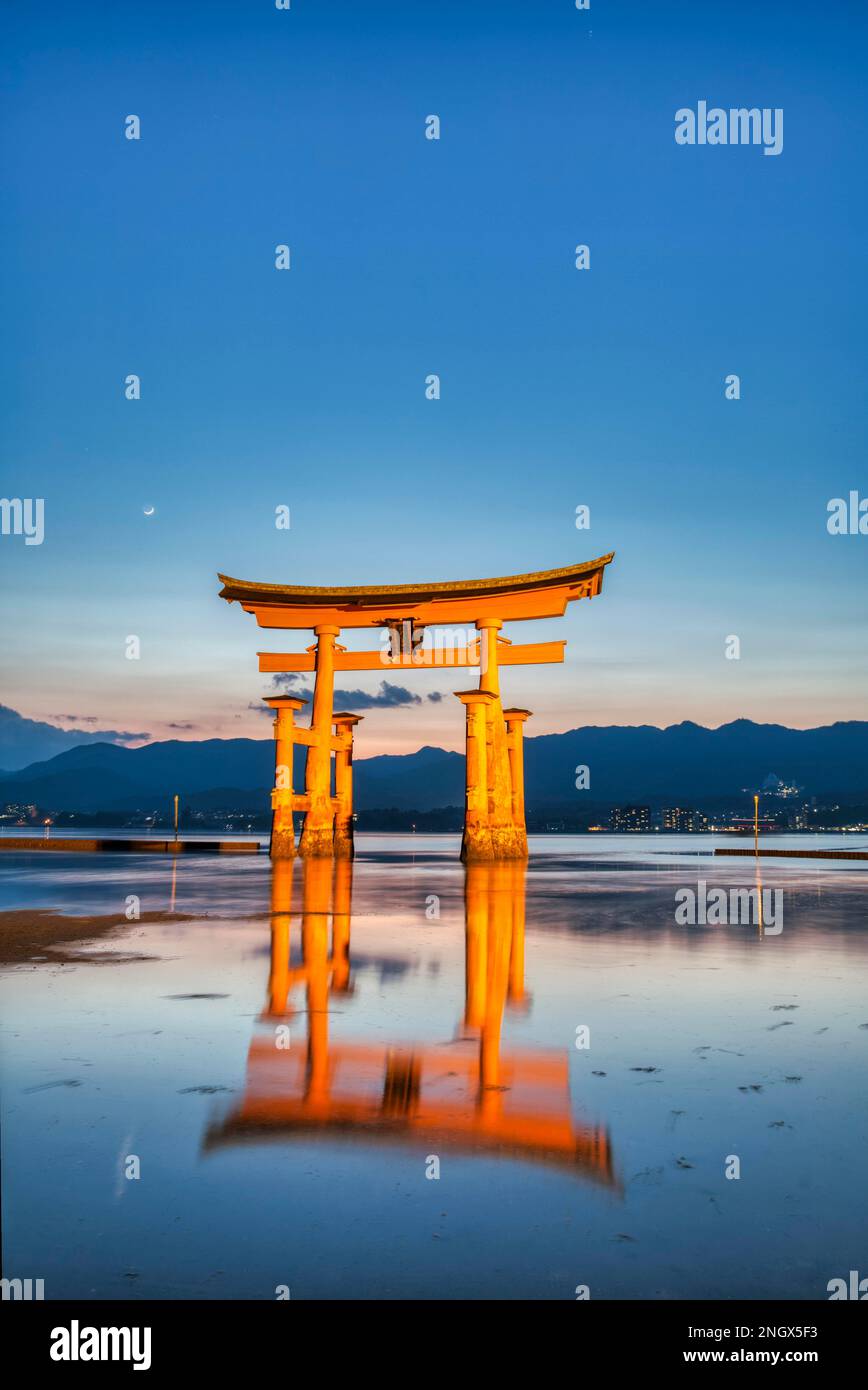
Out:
{"x": 687, "y": 761}
{"x": 683, "y": 763}
{"x": 106, "y": 777}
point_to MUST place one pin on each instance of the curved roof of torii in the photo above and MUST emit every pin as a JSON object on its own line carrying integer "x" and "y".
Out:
{"x": 541, "y": 594}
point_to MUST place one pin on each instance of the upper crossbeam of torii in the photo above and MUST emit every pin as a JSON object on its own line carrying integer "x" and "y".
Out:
{"x": 494, "y": 822}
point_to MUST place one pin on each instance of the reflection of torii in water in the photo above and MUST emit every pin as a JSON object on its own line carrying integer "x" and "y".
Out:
{"x": 465, "y": 1094}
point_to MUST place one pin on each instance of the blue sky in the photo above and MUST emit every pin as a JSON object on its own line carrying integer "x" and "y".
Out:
{"x": 558, "y": 387}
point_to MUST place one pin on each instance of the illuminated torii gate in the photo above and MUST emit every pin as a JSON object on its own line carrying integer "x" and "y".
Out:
{"x": 494, "y": 824}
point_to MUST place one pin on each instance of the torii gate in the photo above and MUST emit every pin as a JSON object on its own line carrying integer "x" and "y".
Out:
{"x": 494, "y": 822}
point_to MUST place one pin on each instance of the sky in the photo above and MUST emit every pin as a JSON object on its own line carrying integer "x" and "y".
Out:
{"x": 559, "y": 388}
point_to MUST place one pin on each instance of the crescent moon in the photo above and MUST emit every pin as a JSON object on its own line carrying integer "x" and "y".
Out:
{"x": 149, "y": 511}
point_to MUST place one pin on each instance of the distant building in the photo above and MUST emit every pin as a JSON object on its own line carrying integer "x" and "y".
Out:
{"x": 631, "y": 818}
{"x": 19, "y": 812}
{"x": 683, "y": 818}
{"x": 775, "y": 786}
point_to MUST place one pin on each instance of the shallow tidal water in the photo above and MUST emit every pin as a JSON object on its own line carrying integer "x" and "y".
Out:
{"x": 364, "y": 1082}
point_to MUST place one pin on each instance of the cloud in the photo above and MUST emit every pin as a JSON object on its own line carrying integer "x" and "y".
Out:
{"x": 24, "y": 741}
{"x": 388, "y": 696}
{"x": 182, "y": 724}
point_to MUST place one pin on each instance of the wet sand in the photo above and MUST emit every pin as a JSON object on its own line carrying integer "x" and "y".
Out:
{"x": 32, "y": 936}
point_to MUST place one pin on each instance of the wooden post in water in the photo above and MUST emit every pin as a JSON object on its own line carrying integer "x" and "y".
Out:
{"x": 282, "y": 844}
{"x": 506, "y": 840}
{"x": 317, "y": 836}
{"x": 515, "y": 720}
{"x": 476, "y": 842}
{"x": 343, "y": 839}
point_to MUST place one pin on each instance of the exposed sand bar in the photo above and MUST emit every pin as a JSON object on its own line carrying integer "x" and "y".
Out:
{"x": 27, "y": 934}
{"x": 80, "y": 846}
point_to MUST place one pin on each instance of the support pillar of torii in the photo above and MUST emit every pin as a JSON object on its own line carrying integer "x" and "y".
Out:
{"x": 317, "y": 837}
{"x": 331, "y": 832}
{"x": 494, "y": 826}
{"x": 495, "y": 820}
{"x": 282, "y": 845}
{"x": 344, "y": 817}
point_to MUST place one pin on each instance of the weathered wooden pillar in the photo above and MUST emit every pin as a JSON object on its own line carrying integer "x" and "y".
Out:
{"x": 282, "y": 844}
{"x": 476, "y": 841}
{"x": 343, "y": 839}
{"x": 317, "y": 837}
{"x": 506, "y": 843}
{"x": 515, "y": 720}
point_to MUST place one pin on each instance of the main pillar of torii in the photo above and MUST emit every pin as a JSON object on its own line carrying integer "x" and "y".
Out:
{"x": 496, "y": 828}
{"x": 494, "y": 819}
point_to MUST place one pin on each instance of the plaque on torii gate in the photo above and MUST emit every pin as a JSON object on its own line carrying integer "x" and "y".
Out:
{"x": 494, "y": 821}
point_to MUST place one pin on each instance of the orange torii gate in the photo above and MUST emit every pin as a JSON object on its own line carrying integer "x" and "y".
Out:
{"x": 494, "y": 823}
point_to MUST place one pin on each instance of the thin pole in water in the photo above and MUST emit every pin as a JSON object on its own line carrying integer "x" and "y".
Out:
{"x": 755, "y": 823}
{"x": 176, "y": 815}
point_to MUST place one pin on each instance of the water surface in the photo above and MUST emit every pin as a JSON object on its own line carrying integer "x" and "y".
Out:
{"x": 431, "y": 1018}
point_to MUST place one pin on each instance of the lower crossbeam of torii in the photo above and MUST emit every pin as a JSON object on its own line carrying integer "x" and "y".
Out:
{"x": 494, "y": 820}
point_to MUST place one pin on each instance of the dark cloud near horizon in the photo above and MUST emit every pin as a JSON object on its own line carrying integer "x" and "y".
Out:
{"x": 287, "y": 684}
{"x": 388, "y": 697}
{"x": 24, "y": 741}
